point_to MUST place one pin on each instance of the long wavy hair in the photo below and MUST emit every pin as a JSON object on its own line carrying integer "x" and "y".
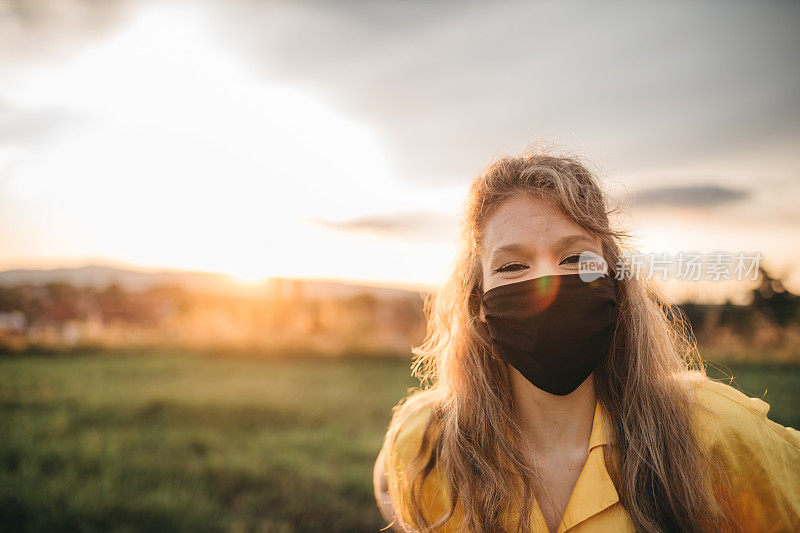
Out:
{"x": 655, "y": 459}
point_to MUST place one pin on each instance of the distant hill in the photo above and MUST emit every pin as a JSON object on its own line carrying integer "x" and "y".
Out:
{"x": 100, "y": 277}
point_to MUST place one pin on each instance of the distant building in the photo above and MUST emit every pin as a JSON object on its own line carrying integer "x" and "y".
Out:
{"x": 12, "y": 322}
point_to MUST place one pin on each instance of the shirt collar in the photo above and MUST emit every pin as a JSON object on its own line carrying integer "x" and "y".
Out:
{"x": 594, "y": 491}
{"x": 599, "y": 436}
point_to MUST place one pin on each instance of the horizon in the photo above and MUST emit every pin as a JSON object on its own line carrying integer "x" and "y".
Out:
{"x": 738, "y": 296}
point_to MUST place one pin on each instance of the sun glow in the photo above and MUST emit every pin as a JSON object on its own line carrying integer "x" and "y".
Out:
{"x": 179, "y": 155}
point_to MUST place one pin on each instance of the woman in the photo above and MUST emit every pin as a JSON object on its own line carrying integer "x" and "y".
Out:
{"x": 551, "y": 402}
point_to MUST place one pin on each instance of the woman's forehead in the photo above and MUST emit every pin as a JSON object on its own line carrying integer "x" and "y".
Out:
{"x": 528, "y": 221}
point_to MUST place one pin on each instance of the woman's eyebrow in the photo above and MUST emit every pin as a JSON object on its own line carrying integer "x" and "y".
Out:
{"x": 512, "y": 248}
{"x": 568, "y": 240}
{"x": 516, "y": 248}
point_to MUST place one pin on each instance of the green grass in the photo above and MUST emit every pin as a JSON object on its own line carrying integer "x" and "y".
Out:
{"x": 189, "y": 443}
{"x": 776, "y": 384}
{"x": 195, "y": 444}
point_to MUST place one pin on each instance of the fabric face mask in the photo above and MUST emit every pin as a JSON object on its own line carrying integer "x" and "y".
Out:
{"x": 554, "y": 330}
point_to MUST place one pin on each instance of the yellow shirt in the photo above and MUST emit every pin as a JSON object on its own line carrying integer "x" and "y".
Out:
{"x": 761, "y": 456}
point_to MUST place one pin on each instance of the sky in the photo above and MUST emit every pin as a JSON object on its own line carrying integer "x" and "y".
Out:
{"x": 337, "y": 139}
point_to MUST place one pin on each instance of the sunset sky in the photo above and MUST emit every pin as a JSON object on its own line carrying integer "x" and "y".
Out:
{"x": 337, "y": 139}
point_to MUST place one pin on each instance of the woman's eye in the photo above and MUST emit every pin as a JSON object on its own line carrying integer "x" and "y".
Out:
{"x": 511, "y": 267}
{"x": 573, "y": 259}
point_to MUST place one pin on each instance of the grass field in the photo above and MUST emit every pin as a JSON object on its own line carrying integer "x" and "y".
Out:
{"x": 191, "y": 443}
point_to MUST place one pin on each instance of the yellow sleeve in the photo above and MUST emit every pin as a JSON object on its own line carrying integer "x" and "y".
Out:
{"x": 761, "y": 457}
{"x": 408, "y": 442}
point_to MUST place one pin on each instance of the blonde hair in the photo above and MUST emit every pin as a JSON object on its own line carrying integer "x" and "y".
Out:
{"x": 655, "y": 458}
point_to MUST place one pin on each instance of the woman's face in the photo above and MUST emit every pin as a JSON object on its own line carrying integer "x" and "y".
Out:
{"x": 527, "y": 237}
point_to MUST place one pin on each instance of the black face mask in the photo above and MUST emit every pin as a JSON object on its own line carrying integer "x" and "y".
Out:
{"x": 554, "y": 330}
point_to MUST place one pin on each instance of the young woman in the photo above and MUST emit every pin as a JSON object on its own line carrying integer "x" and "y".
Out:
{"x": 553, "y": 403}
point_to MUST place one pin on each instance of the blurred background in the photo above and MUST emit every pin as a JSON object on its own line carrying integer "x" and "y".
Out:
{"x": 219, "y": 219}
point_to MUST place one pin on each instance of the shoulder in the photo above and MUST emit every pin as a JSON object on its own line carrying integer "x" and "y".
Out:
{"x": 411, "y": 436}
{"x": 724, "y": 412}
{"x": 406, "y": 433}
{"x": 759, "y": 457}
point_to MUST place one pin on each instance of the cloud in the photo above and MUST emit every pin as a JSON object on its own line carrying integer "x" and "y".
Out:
{"x": 641, "y": 86}
{"x": 52, "y": 29}
{"x": 32, "y": 126}
{"x": 449, "y": 85}
{"x": 688, "y": 196}
{"x": 417, "y": 225}
{"x": 46, "y": 33}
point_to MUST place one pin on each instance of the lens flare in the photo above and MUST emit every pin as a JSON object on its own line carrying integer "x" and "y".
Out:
{"x": 546, "y": 290}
